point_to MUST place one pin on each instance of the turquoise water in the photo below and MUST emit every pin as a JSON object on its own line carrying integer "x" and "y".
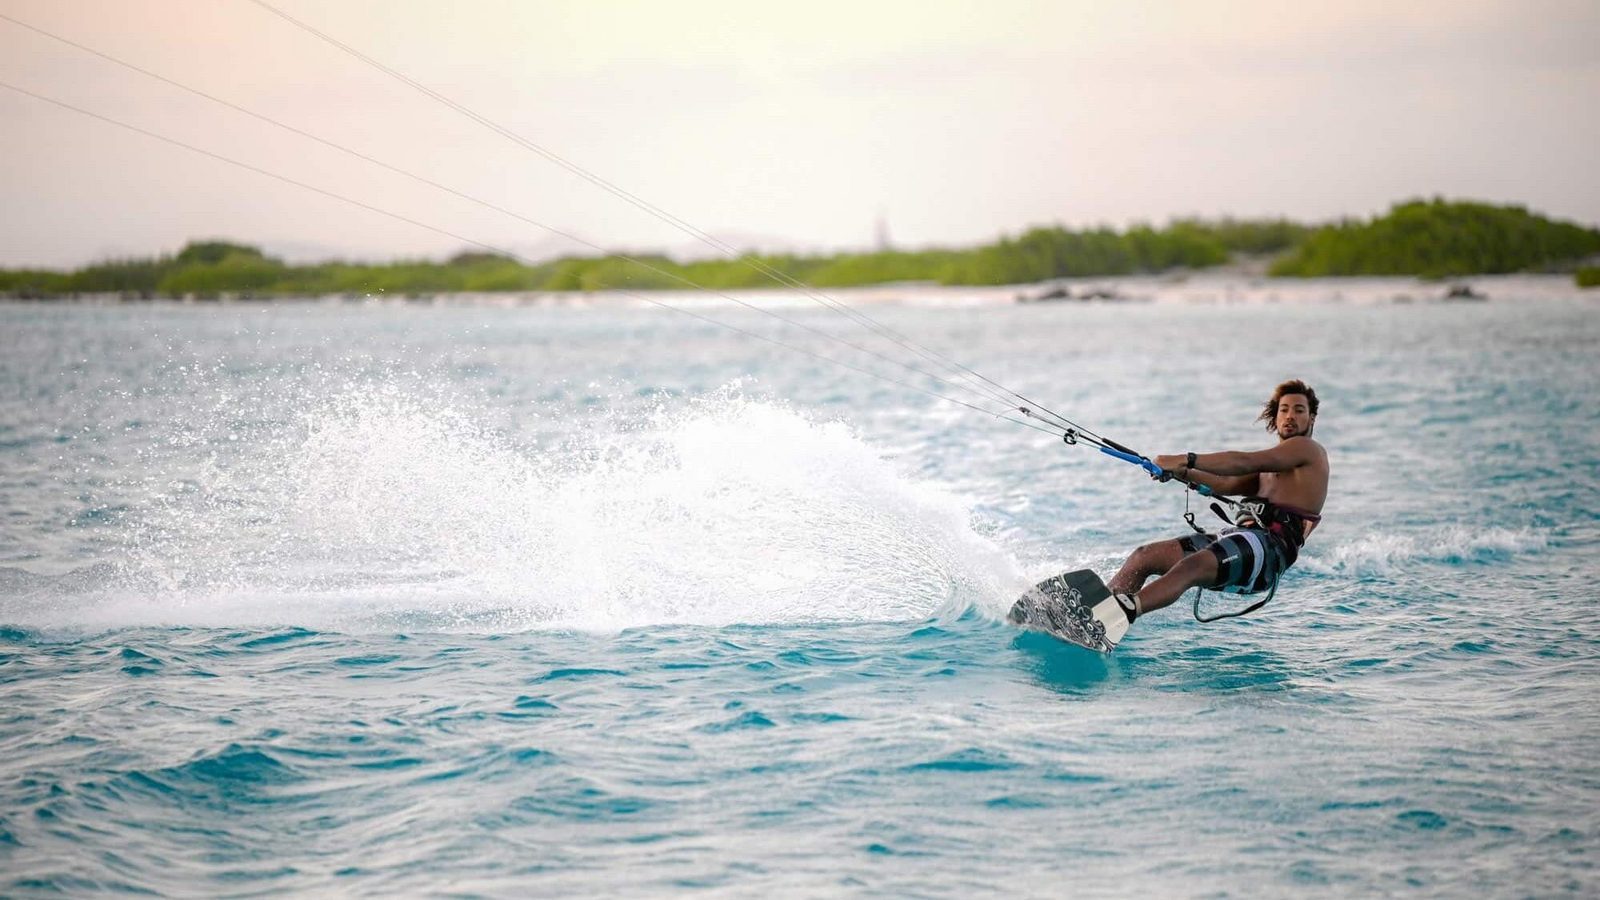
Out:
{"x": 410, "y": 599}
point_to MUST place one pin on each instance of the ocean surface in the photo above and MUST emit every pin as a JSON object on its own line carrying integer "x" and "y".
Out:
{"x": 387, "y": 598}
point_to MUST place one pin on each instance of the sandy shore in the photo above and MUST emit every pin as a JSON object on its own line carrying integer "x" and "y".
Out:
{"x": 1225, "y": 287}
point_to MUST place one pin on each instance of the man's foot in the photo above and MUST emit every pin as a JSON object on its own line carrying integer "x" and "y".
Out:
{"x": 1129, "y": 604}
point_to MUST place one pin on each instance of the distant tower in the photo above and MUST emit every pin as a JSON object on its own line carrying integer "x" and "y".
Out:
{"x": 881, "y": 232}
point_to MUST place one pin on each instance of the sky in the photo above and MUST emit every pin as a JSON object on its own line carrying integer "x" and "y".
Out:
{"x": 803, "y": 126}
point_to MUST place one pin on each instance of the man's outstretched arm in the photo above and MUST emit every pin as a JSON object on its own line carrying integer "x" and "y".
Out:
{"x": 1290, "y": 454}
{"x": 1227, "y": 485}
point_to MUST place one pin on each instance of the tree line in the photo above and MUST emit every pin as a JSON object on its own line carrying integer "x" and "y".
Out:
{"x": 1439, "y": 238}
{"x": 1430, "y": 238}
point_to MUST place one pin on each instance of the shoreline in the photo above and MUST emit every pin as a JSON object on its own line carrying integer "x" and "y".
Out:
{"x": 1198, "y": 288}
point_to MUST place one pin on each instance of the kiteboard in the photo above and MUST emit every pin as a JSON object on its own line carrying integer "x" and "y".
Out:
{"x": 1076, "y": 607}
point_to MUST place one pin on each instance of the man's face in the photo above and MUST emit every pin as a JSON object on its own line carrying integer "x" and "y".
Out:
{"x": 1294, "y": 416}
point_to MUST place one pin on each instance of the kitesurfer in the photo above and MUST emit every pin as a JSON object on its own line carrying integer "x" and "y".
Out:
{"x": 1284, "y": 488}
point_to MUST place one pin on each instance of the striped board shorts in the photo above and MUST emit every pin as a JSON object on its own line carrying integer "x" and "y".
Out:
{"x": 1249, "y": 560}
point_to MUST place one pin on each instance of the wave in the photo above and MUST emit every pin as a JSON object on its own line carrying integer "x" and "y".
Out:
{"x": 1383, "y": 553}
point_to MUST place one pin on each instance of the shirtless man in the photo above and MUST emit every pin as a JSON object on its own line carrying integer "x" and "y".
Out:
{"x": 1292, "y": 477}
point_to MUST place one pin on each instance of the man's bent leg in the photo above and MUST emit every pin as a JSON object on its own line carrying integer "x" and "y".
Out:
{"x": 1150, "y": 559}
{"x": 1199, "y": 568}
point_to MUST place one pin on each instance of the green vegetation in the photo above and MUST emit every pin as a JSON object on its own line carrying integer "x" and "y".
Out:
{"x": 1427, "y": 238}
{"x": 1251, "y": 237}
{"x": 1437, "y": 239}
{"x": 208, "y": 269}
{"x": 1044, "y": 253}
{"x": 1588, "y": 277}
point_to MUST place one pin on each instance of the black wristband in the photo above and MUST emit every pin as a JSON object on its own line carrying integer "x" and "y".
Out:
{"x": 1191, "y": 459}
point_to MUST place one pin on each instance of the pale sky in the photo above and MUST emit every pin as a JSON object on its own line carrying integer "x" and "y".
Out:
{"x": 793, "y": 124}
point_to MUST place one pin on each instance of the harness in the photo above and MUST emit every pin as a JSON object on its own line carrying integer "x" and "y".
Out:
{"x": 1287, "y": 522}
